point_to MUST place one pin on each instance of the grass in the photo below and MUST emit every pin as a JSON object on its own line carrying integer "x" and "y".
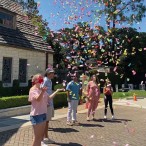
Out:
{"x": 139, "y": 93}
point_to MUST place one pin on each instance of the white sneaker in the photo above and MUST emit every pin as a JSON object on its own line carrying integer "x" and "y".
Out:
{"x": 43, "y": 144}
{"x": 48, "y": 141}
{"x": 76, "y": 123}
{"x": 113, "y": 117}
{"x": 69, "y": 123}
{"x": 105, "y": 117}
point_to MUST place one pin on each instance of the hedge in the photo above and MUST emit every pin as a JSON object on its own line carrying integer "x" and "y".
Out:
{"x": 17, "y": 101}
{"x": 58, "y": 86}
{"x": 60, "y": 99}
{"x": 13, "y": 101}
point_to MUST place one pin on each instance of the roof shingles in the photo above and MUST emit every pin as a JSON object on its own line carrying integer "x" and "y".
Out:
{"x": 24, "y": 34}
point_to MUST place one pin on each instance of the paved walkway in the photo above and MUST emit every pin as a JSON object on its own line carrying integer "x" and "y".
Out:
{"x": 126, "y": 130}
{"x": 23, "y": 121}
{"x": 141, "y": 103}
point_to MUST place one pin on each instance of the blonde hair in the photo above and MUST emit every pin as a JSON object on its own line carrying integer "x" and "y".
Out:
{"x": 35, "y": 78}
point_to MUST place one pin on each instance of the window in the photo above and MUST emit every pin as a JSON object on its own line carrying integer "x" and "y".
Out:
{"x": 22, "y": 70}
{"x": 6, "y": 20}
{"x": 7, "y": 71}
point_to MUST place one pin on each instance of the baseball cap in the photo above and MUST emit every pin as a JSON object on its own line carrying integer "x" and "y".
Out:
{"x": 49, "y": 70}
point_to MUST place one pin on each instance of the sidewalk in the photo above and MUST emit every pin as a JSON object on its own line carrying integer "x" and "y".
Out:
{"x": 23, "y": 121}
{"x": 140, "y": 103}
{"x": 127, "y": 129}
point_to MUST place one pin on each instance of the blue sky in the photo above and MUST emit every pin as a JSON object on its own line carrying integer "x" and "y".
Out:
{"x": 59, "y": 13}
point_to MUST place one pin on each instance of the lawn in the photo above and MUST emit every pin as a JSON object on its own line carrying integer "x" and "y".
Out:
{"x": 118, "y": 95}
{"x": 139, "y": 93}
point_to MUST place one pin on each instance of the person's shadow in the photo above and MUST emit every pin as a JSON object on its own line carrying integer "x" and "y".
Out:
{"x": 6, "y": 135}
{"x": 68, "y": 144}
{"x": 112, "y": 120}
{"x": 64, "y": 130}
{"x": 90, "y": 125}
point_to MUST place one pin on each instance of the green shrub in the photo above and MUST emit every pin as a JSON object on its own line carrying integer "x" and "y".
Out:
{"x": 58, "y": 86}
{"x": 17, "y": 101}
{"x": 60, "y": 100}
{"x": 13, "y": 101}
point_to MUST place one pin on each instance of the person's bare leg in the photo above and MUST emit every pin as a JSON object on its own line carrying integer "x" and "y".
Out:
{"x": 38, "y": 134}
{"x": 46, "y": 138}
{"x": 89, "y": 111}
{"x": 94, "y": 108}
{"x": 46, "y": 130}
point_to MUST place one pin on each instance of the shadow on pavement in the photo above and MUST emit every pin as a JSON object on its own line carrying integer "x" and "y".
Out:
{"x": 9, "y": 123}
{"x": 5, "y": 136}
{"x": 112, "y": 121}
{"x": 126, "y": 120}
{"x": 68, "y": 144}
{"x": 64, "y": 130}
{"x": 91, "y": 125}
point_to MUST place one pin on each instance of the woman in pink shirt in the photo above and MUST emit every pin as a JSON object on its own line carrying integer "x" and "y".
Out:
{"x": 39, "y": 99}
{"x": 93, "y": 94}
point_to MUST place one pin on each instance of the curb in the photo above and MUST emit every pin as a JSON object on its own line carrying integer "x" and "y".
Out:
{"x": 16, "y": 111}
{"x": 131, "y": 98}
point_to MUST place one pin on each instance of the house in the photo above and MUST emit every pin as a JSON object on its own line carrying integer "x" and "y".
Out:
{"x": 23, "y": 53}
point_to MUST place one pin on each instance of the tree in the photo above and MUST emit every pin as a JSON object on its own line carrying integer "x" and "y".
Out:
{"x": 78, "y": 45}
{"x": 118, "y": 42}
{"x": 118, "y": 11}
{"x": 79, "y": 42}
{"x": 109, "y": 47}
{"x": 112, "y": 43}
{"x": 30, "y": 8}
{"x": 134, "y": 55}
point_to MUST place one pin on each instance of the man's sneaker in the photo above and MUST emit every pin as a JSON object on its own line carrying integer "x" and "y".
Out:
{"x": 113, "y": 117}
{"x": 48, "y": 141}
{"x": 105, "y": 117}
{"x": 43, "y": 144}
{"x": 69, "y": 123}
{"x": 76, "y": 123}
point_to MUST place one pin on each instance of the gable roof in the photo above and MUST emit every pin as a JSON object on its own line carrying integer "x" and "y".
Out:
{"x": 24, "y": 35}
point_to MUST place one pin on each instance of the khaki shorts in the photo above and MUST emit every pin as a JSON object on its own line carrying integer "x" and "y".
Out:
{"x": 50, "y": 113}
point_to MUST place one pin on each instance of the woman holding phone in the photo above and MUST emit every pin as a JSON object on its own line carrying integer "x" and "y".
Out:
{"x": 39, "y": 99}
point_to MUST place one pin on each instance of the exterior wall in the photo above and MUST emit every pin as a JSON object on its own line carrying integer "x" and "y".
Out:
{"x": 50, "y": 59}
{"x": 36, "y": 61}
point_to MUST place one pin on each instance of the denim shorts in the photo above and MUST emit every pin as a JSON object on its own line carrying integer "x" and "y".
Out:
{"x": 38, "y": 119}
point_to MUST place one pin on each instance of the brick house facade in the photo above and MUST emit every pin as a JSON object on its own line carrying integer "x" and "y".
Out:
{"x": 22, "y": 52}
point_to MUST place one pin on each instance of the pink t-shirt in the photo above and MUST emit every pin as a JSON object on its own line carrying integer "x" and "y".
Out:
{"x": 38, "y": 107}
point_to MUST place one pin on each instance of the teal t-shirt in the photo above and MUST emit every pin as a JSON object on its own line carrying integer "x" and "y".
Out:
{"x": 74, "y": 89}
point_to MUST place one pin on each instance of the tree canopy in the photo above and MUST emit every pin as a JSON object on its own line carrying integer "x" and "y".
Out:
{"x": 84, "y": 47}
